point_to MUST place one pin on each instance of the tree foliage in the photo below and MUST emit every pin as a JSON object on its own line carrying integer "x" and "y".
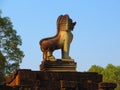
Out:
{"x": 110, "y": 73}
{"x": 95, "y": 68}
{"x": 10, "y": 53}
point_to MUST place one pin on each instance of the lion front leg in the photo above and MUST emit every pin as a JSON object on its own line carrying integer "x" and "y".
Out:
{"x": 66, "y": 45}
{"x": 65, "y": 51}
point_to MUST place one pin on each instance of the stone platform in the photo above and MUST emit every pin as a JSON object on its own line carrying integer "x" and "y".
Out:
{"x": 40, "y": 80}
{"x": 59, "y": 65}
{"x": 56, "y": 75}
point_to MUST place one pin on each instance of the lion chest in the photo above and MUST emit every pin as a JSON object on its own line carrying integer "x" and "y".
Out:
{"x": 65, "y": 38}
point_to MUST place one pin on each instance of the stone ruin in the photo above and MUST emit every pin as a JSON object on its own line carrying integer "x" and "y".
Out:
{"x": 57, "y": 74}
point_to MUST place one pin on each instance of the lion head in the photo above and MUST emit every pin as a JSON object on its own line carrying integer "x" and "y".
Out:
{"x": 64, "y": 22}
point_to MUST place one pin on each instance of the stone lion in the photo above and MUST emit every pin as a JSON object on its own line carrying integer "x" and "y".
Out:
{"x": 61, "y": 40}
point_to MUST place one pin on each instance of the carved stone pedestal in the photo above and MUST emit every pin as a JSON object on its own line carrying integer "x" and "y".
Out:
{"x": 58, "y": 65}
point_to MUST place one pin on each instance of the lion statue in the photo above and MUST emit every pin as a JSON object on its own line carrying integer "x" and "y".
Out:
{"x": 61, "y": 40}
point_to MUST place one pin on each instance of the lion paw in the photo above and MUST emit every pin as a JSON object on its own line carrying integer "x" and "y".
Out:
{"x": 51, "y": 58}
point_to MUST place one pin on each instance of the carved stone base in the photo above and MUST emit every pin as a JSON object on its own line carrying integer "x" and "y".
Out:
{"x": 107, "y": 86}
{"x": 40, "y": 80}
{"x": 58, "y": 65}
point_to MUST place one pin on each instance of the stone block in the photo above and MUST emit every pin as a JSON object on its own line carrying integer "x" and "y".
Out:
{"x": 58, "y": 66}
{"x": 42, "y": 80}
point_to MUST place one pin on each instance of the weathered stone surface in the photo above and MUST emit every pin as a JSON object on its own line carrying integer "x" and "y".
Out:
{"x": 39, "y": 80}
{"x": 4, "y": 87}
{"x": 58, "y": 66}
{"x": 107, "y": 86}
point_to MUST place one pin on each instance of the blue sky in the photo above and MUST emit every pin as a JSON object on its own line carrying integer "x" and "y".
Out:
{"x": 96, "y": 34}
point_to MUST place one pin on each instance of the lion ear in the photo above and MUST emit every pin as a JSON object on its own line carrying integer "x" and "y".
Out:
{"x": 58, "y": 22}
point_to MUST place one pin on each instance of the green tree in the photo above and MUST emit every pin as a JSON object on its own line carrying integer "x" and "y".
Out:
{"x": 95, "y": 68}
{"x": 110, "y": 73}
{"x": 117, "y": 77}
{"x": 10, "y": 53}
